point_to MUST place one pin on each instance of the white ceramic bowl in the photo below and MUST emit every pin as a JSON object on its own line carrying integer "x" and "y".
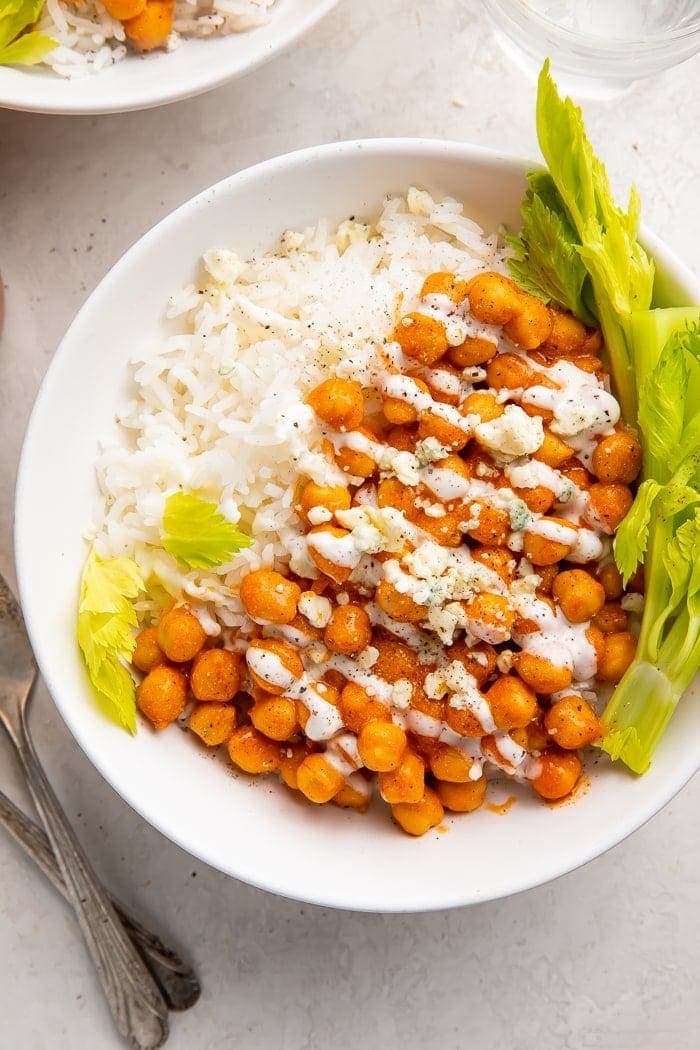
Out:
{"x": 143, "y": 81}
{"x": 256, "y": 830}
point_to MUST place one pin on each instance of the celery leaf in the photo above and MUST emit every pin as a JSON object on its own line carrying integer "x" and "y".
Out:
{"x": 27, "y": 50}
{"x": 546, "y": 261}
{"x": 608, "y": 235}
{"x": 106, "y": 617}
{"x": 633, "y": 534}
{"x": 196, "y": 532}
{"x": 662, "y": 403}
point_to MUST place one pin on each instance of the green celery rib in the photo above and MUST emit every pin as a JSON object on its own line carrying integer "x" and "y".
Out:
{"x": 638, "y": 714}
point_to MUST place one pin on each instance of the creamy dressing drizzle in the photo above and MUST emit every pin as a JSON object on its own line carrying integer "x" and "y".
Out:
{"x": 582, "y": 410}
{"x": 269, "y": 667}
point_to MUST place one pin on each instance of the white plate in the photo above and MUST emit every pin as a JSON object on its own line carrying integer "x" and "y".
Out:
{"x": 255, "y": 829}
{"x": 143, "y": 81}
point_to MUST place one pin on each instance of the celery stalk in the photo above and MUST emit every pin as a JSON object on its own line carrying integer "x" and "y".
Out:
{"x": 668, "y": 651}
{"x": 638, "y": 714}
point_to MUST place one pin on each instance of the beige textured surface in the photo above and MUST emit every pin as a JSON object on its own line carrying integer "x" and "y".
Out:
{"x": 604, "y": 958}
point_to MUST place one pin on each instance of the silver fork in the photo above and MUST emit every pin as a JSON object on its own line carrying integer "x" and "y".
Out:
{"x": 177, "y": 980}
{"x": 138, "y": 1008}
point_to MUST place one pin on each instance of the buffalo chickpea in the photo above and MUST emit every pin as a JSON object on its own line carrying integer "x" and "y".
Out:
{"x": 618, "y": 654}
{"x": 329, "y": 497}
{"x": 213, "y": 723}
{"x": 530, "y": 325}
{"x": 359, "y": 462}
{"x": 180, "y": 635}
{"x": 269, "y": 596}
{"x": 553, "y": 541}
{"x": 538, "y": 499}
{"x": 511, "y": 371}
{"x": 609, "y": 504}
{"x": 462, "y": 798}
{"x": 402, "y": 438}
{"x": 398, "y": 606}
{"x": 617, "y": 458}
{"x": 541, "y": 674}
{"x": 445, "y": 530}
{"x": 513, "y": 704}
{"x": 448, "y": 434}
{"x": 273, "y": 665}
{"x": 451, "y": 764}
{"x": 123, "y": 10}
{"x": 572, "y": 723}
{"x": 357, "y": 707}
{"x": 567, "y": 334}
{"x": 482, "y": 403}
{"x": 152, "y": 26}
{"x": 479, "y": 660}
{"x": 147, "y": 653}
{"x": 553, "y": 451}
{"x": 252, "y": 752}
{"x": 327, "y": 692}
{"x": 559, "y": 774}
{"x": 330, "y": 548}
{"x": 350, "y": 797}
{"x": 532, "y": 737}
{"x": 612, "y": 617}
{"x": 381, "y": 745}
{"x": 162, "y": 696}
{"x": 216, "y": 675}
{"x": 587, "y": 363}
{"x": 318, "y": 779}
{"x": 498, "y": 559}
{"x": 396, "y": 660}
{"x": 421, "y": 337}
{"x": 276, "y": 717}
{"x": 487, "y": 524}
{"x": 464, "y": 722}
{"x": 392, "y": 493}
{"x": 444, "y": 283}
{"x": 578, "y": 474}
{"x": 406, "y": 783}
{"x": 579, "y": 596}
{"x": 611, "y": 581}
{"x": 490, "y": 617}
{"x": 473, "y": 351}
{"x": 400, "y": 412}
{"x": 596, "y": 639}
{"x": 348, "y": 630}
{"x": 292, "y": 754}
{"x": 547, "y": 575}
{"x": 493, "y": 298}
{"x": 339, "y": 403}
{"x": 416, "y": 818}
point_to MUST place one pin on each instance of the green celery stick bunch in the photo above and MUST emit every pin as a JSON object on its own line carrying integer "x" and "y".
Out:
{"x": 579, "y": 250}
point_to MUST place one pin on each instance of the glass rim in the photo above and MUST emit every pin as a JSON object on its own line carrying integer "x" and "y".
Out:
{"x": 524, "y": 14}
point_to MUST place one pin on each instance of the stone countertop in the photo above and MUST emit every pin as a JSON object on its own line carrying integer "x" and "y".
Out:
{"x": 606, "y": 957}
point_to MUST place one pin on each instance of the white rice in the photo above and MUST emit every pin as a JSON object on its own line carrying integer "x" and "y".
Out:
{"x": 220, "y": 408}
{"x": 90, "y": 39}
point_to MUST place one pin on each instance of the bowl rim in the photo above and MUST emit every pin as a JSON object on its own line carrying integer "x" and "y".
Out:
{"x": 421, "y": 902}
{"x": 168, "y": 90}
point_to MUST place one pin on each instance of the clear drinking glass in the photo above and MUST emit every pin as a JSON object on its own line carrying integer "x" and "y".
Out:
{"x": 597, "y": 48}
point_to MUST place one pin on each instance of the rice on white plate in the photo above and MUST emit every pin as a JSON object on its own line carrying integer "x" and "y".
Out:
{"x": 90, "y": 39}
{"x": 220, "y": 408}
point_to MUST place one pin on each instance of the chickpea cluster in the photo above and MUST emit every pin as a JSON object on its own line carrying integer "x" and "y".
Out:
{"x": 336, "y": 633}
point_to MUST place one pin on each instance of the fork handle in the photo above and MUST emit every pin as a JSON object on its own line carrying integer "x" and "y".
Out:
{"x": 175, "y": 978}
{"x": 138, "y": 1008}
